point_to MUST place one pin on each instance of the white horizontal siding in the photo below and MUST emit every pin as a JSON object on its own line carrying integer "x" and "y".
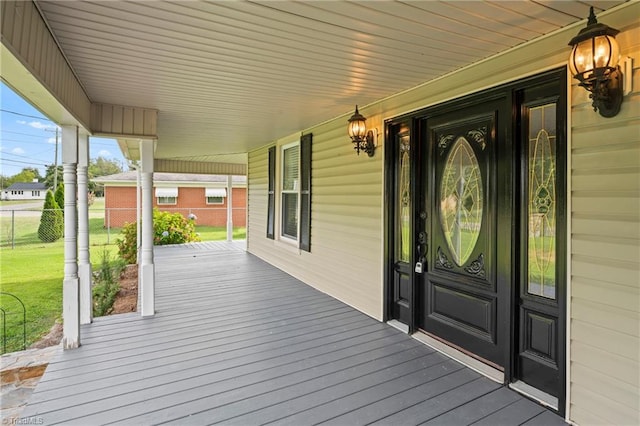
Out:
{"x": 605, "y": 255}
{"x": 346, "y": 236}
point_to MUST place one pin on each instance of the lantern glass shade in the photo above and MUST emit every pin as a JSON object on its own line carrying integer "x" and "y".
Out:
{"x": 357, "y": 128}
{"x": 601, "y": 53}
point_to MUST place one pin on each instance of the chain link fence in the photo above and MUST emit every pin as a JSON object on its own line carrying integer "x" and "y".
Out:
{"x": 23, "y": 228}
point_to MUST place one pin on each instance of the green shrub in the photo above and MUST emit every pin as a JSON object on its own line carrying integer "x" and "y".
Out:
{"x": 172, "y": 228}
{"x": 106, "y": 286}
{"x": 168, "y": 228}
{"x": 59, "y": 196}
{"x": 128, "y": 244}
{"x": 51, "y": 222}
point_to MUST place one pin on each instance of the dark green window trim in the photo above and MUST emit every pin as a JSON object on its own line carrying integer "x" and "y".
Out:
{"x": 305, "y": 192}
{"x": 271, "y": 198}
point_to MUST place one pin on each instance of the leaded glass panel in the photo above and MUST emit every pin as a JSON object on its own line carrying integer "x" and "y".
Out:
{"x": 404, "y": 200}
{"x": 542, "y": 202}
{"x": 461, "y": 200}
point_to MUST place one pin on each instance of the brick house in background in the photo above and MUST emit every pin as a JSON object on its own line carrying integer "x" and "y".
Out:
{"x": 202, "y": 195}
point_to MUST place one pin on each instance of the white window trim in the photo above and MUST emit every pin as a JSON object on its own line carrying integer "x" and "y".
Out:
{"x": 279, "y": 184}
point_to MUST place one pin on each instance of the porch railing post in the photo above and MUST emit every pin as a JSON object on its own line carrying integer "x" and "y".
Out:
{"x": 70, "y": 284}
{"x": 229, "y": 208}
{"x": 146, "y": 266}
{"x": 84, "y": 263}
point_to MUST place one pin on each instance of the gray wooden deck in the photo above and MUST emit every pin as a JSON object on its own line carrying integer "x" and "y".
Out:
{"x": 236, "y": 341}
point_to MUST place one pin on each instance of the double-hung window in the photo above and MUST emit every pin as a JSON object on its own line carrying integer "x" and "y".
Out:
{"x": 290, "y": 190}
{"x": 294, "y": 190}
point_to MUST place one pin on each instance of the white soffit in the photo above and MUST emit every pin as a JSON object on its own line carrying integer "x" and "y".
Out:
{"x": 229, "y": 77}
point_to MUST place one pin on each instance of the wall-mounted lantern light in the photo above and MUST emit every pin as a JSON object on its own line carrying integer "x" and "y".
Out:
{"x": 363, "y": 139}
{"x": 594, "y": 62}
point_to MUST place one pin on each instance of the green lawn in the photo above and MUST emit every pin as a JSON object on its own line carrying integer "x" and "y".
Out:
{"x": 33, "y": 271}
{"x": 35, "y": 276}
{"x": 219, "y": 233}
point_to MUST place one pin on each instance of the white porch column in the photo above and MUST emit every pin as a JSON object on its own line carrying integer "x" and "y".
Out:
{"x": 229, "y": 208}
{"x": 146, "y": 267}
{"x": 84, "y": 262}
{"x": 70, "y": 284}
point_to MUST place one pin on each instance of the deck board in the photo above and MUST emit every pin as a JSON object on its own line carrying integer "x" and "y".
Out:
{"x": 237, "y": 341}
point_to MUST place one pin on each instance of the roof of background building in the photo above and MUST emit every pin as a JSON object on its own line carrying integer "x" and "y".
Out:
{"x": 27, "y": 186}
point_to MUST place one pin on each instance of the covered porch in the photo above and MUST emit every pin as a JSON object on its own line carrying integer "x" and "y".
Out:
{"x": 236, "y": 340}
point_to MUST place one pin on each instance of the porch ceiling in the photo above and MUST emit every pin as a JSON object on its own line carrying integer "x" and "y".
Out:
{"x": 228, "y": 77}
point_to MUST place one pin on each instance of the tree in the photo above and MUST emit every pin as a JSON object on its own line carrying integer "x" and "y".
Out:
{"x": 28, "y": 174}
{"x": 59, "y": 196}
{"x": 51, "y": 222}
{"x": 49, "y": 175}
{"x": 101, "y": 167}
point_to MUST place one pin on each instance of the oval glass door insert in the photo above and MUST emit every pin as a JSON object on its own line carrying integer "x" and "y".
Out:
{"x": 461, "y": 200}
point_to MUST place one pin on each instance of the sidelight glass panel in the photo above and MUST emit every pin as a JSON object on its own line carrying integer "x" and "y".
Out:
{"x": 542, "y": 202}
{"x": 404, "y": 200}
{"x": 461, "y": 200}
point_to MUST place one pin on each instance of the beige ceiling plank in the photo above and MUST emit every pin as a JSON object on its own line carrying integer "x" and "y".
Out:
{"x": 418, "y": 21}
{"x": 337, "y": 15}
{"x": 137, "y": 50}
{"x": 171, "y": 82}
{"x": 480, "y": 18}
{"x": 535, "y": 12}
{"x": 214, "y": 49}
{"x": 579, "y": 9}
{"x": 146, "y": 63}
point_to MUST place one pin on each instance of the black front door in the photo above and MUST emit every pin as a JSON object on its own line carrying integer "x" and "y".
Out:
{"x": 476, "y": 227}
{"x": 465, "y": 284}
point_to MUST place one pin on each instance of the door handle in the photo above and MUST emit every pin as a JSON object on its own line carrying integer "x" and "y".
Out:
{"x": 421, "y": 248}
{"x": 422, "y": 244}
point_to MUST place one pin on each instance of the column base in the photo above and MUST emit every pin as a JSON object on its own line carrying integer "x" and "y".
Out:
{"x": 70, "y": 313}
{"x": 86, "y": 298}
{"x": 147, "y": 285}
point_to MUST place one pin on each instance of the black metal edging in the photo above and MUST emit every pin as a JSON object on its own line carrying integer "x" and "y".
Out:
{"x": 4, "y": 323}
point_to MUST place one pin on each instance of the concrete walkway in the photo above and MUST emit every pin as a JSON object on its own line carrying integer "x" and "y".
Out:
{"x": 20, "y": 372}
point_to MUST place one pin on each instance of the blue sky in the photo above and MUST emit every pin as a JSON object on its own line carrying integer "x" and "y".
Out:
{"x": 27, "y": 137}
